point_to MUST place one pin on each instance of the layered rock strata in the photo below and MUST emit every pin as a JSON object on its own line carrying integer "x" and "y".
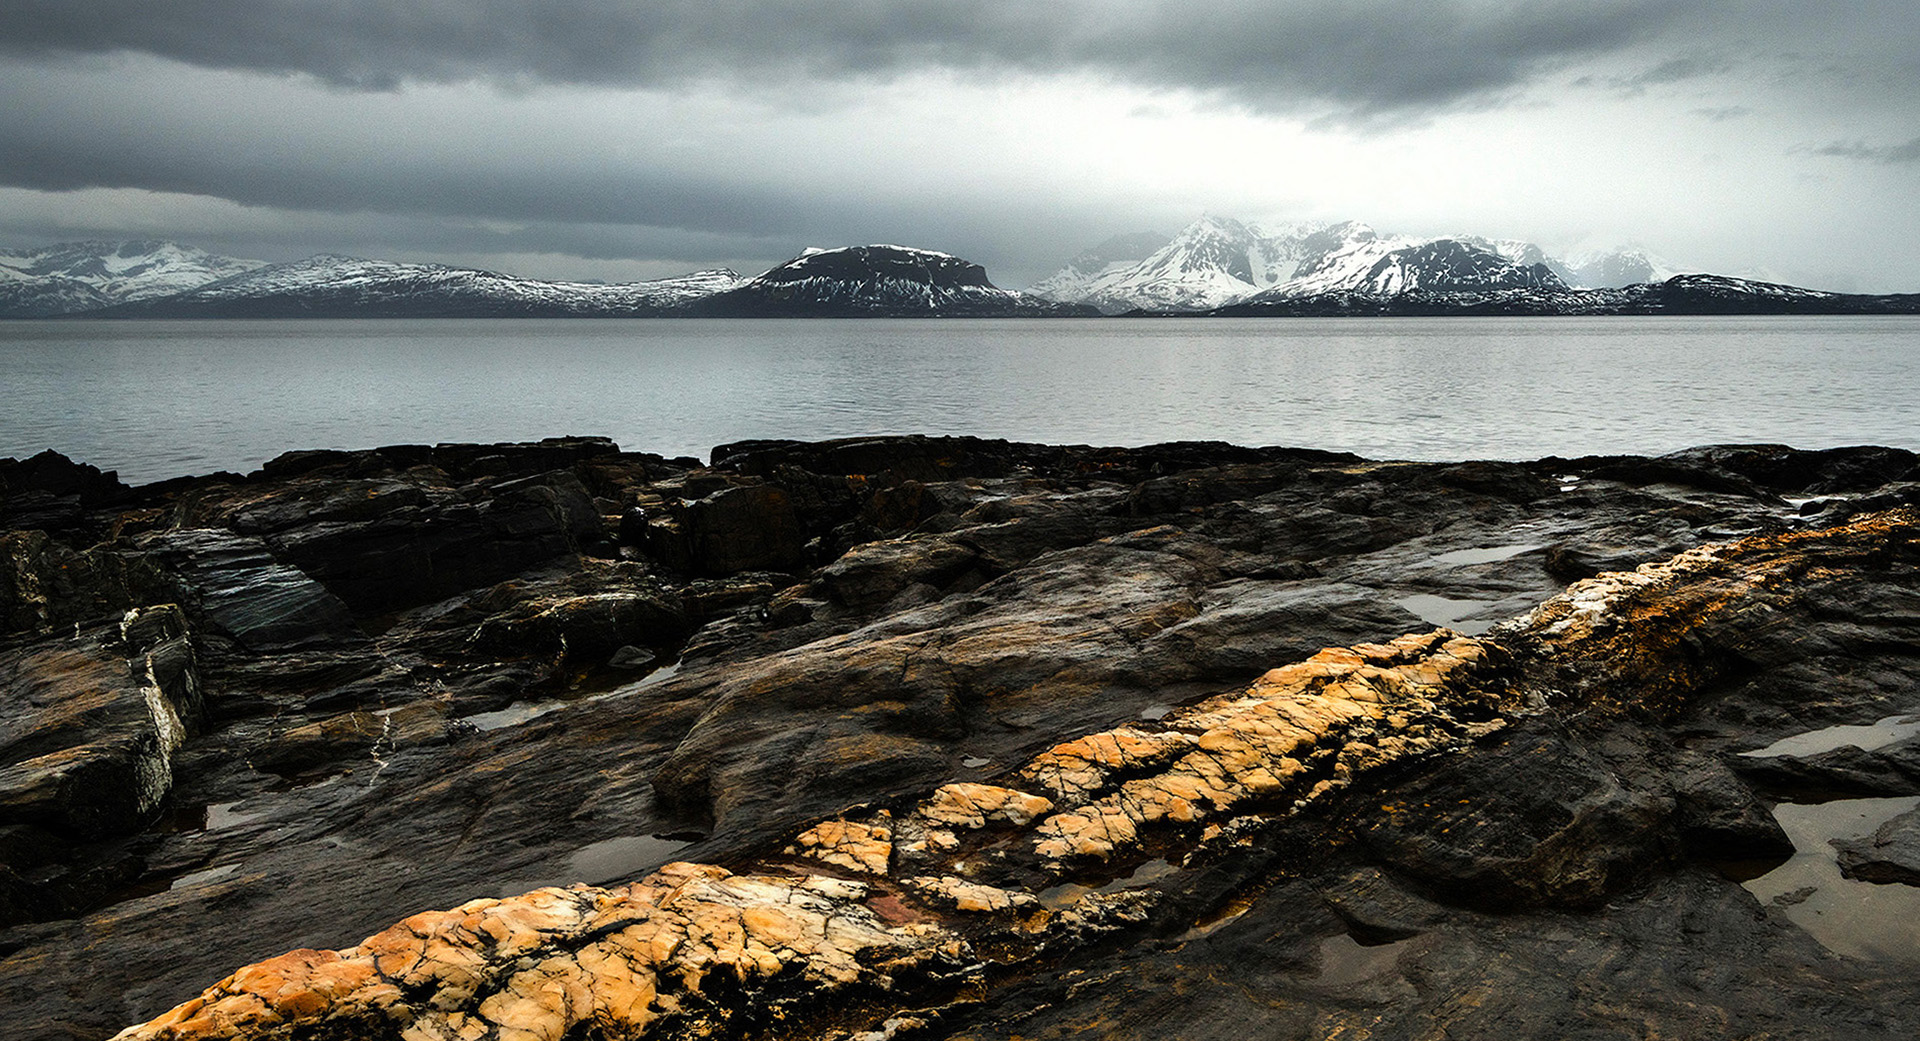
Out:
{"x": 1008, "y": 713}
{"x": 640, "y": 960}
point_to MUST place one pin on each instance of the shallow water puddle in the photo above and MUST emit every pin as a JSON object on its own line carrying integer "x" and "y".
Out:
{"x": 1447, "y": 612}
{"x": 200, "y": 878}
{"x": 526, "y": 711}
{"x": 1232, "y": 911}
{"x": 1865, "y": 738}
{"x": 1067, "y": 893}
{"x": 1848, "y": 917}
{"x": 609, "y": 860}
{"x": 624, "y": 855}
{"x": 513, "y": 715}
{"x": 1345, "y": 961}
{"x": 1488, "y": 554}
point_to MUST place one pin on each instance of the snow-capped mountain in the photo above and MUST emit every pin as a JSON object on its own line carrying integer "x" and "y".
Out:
{"x": 1617, "y": 268}
{"x": 1213, "y": 261}
{"x": 1217, "y": 261}
{"x": 1081, "y": 278}
{"x": 1352, "y": 259}
{"x": 874, "y": 281}
{"x": 350, "y": 287}
{"x": 82, "y": 276}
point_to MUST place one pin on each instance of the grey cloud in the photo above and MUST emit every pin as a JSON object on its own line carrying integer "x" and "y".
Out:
{"x": 477, "y": 190}
{"x": 1723, "y": 113}
{"x": 1367, "y": 56}
{"x": 1673, "y": 70}
{"x": 49, "y": 147}
{"x": 1890, "y": 155}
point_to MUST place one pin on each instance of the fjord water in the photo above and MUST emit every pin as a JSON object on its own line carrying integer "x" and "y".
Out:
{"x": 161, "y": 399}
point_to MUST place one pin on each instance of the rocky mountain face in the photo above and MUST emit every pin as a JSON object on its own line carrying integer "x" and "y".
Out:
{"x": 957, "y": 738}
{"x": 874, "y": 281}
{"x": 349, "y": 287}
{"x": 84, "y": 276}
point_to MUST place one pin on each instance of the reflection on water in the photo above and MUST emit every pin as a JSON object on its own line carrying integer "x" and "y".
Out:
{"x": 1344, "y": 961}
{"x": 1067, "y": 893}
{"x": 609, "y": 860}
{"x": 1447, "y": 612}
{"x": 159, "y": 399}
{"x": 1857, "y": 919}
{"x": 1866, "y": 738}
{"x": 1487, "y": 555}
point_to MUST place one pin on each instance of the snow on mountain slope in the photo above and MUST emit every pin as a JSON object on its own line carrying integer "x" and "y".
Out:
{"x": 1079, "y": 279}
{"x": 1216, "y": 261}
{"x": 121, "y": 271}
{"x": 1615, "y": 268}
{"x": 878, "y": 280}
{"x": 1362, "y": 263}
{"x": 26, "y": 297}
{"x": 352, "y": 287}
{"x": 1213, "y": 261}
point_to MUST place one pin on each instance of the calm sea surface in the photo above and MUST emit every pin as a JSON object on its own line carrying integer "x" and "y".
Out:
{"x": 160, "y": 399}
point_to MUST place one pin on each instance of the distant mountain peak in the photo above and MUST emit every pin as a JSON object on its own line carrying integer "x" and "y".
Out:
{"x": 78, "y": 276}
{"x": 1217, "y": 260}
{"x": 1211, "y": 261}
{"x": 875, "y": 280}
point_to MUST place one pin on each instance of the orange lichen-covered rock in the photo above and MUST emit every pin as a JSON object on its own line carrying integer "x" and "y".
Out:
{"x": 856, "y": 845}
{"x": 535, "y": 967}
{"x": 964, "y": 805}
{"x": 1305, "y": 729}
{"x": 961, "y": 895}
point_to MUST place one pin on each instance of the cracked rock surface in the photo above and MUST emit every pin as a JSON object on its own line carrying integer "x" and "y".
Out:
{"x": 967, "y": 738}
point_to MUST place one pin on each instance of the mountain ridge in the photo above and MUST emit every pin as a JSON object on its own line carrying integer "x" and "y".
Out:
{"x": 1216, "y": 266}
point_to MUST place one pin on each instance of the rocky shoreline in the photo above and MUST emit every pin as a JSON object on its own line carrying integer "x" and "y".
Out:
{"x": 945, "y": 737}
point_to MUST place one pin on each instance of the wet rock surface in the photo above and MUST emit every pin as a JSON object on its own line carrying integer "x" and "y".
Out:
{"x": 954, "y": 738}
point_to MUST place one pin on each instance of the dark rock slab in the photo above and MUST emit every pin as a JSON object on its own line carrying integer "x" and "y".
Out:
{"x": 243, "y": 591}
{"x": 1532, "y": 821}
{"x": 1845, "y": 771}
{"x": 1890, "y": 854}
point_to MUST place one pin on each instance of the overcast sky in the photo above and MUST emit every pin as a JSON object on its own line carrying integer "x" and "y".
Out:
{"x": 621, "y": 139}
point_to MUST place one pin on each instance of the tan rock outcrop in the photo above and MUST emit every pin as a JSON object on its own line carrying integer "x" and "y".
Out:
{"x": 865, "y": 846}
{"x": 1297, "y": 732}
{"x": 534, "y": 967}
{"x": 964, "y": 805}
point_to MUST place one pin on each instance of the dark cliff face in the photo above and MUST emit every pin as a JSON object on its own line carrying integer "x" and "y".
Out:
{"x": 1144, "y": 741}
{"x": 874, "y": 281}
{"x": 874, "y": 265}
{"x": 1449, "y": 266}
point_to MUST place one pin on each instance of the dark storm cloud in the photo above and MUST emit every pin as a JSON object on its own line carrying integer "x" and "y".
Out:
{"x": 66, "y": 143}
{"x": 1891, "y": 155}
{"x": 1369, "y": 57}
